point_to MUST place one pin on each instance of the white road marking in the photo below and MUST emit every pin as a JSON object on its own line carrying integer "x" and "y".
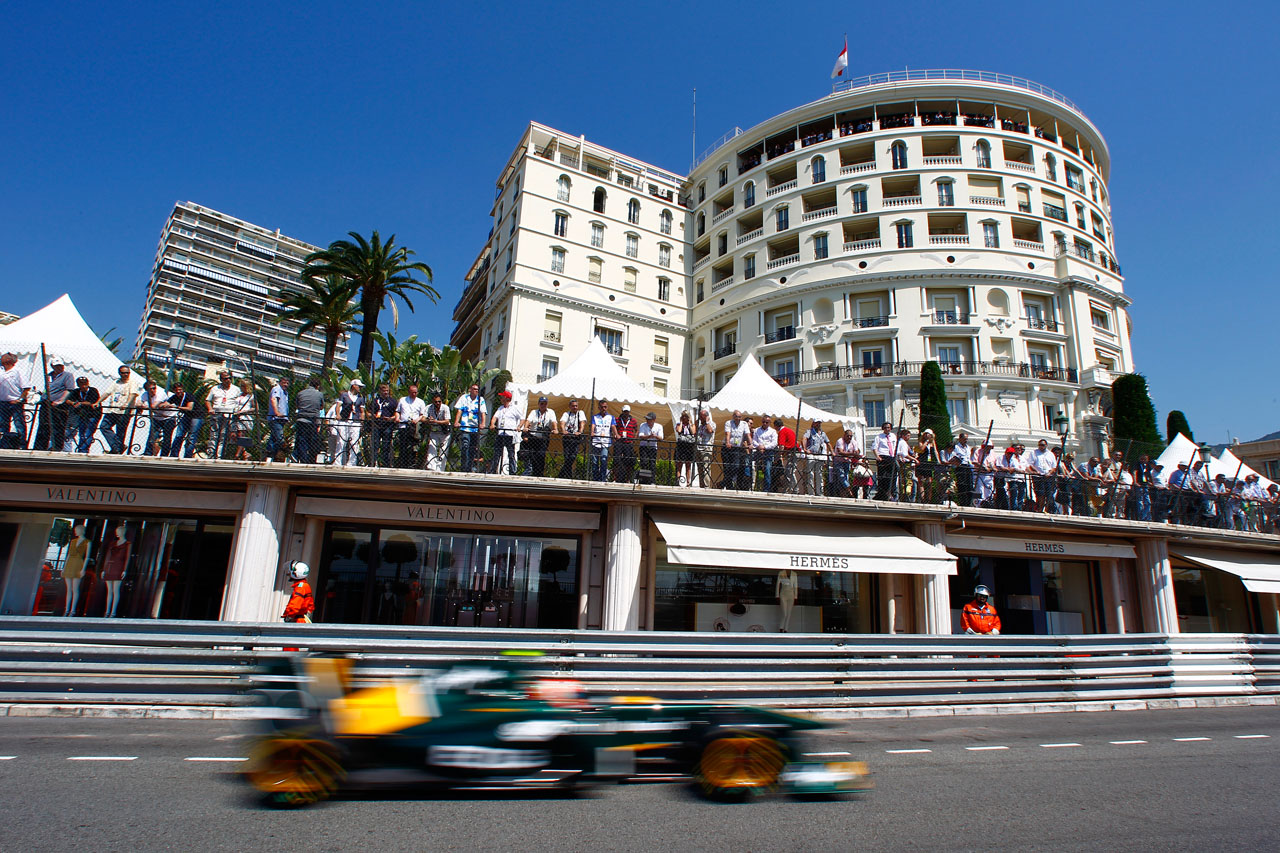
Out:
{"x": 11, "y": 757}
{"x": 1189, "y": 739}
{"x": 984, "y": 748}
{"x": 1126, "y": 742}
{"x": 1250, "y": 737}
{"x": 825, "y": 754}
{"x": 906, "y": 751}
{"x": 215, "y": 758}
{"x": 1058, "y": 745}
{"x": 102, "y": 758}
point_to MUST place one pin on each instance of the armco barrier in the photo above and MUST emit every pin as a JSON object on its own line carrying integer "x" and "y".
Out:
{"x": 150, "y": 662}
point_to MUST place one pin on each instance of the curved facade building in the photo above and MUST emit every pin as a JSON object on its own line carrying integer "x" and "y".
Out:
{"x": 967, "y": 221}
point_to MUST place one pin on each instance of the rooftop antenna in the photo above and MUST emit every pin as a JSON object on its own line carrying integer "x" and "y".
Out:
{"x": 694, "y": 158}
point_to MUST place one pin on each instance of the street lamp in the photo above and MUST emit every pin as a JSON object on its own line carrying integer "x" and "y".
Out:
{"x": 178, "y": 338}
{"x": 1063, "y": 425}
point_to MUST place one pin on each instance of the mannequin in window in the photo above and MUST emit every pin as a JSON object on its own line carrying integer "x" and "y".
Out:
{"x": 787, "y": 589}
{"x": 73, "y": 568}
{"x": 115, "y": 559}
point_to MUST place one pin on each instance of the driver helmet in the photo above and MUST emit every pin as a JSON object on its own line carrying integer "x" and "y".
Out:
{"x": 299, "y": 570}
{"x": 981, "y": 590}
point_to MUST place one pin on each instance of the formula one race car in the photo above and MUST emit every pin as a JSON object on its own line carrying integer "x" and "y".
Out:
{"x": 487, "y": 725}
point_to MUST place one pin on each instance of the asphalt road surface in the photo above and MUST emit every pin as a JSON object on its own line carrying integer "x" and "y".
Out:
{"x": 1138, "y": 780}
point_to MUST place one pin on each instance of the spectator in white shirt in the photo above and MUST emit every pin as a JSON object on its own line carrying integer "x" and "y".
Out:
{"x": 537, "y": 428}
{"x": 438, "y": 419}
{"x": 649, "y": 434}
{"x": 815, "y": 447}
{"x": 737, "y": 453}
{"x": 222, "y": 399}
{"x": 117, "y": 408}
{"x": 1043, "y": 463}
{"x": 764, "y": 443}
{"x": 163, "y": 419}
{"x": 506, "y": 421}
{"x": 960, "y": 457}
{"x": 883, "y": 448}
{"x": 410, "y": 412}
{"x": 13, "y": 397}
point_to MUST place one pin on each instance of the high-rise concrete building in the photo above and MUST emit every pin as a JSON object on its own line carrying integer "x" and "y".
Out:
{"x": 222, "y": 279}
{"x": 955, "y": 216}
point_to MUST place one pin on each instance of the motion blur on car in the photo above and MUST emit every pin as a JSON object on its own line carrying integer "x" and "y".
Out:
{"x": 329, "y": 728}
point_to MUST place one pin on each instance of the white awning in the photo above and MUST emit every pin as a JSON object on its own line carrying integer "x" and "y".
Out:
{"x": 1260, "y": 572}
{"x": 776, "y": 544}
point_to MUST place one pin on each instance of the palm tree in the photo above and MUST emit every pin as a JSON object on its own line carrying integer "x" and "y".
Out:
{"x": 377, "y": 273}
{"x": 325, "y": 304}
{"x": 449, "y": 374}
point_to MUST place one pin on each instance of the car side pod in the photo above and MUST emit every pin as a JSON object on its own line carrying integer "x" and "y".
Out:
{"x": 824, "y": 778}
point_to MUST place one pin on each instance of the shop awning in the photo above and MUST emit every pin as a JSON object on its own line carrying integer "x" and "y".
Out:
{"x": 776, "y": 544}
{"x": 1260, "y": 572}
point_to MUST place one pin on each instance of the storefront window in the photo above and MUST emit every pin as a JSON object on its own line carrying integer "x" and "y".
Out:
{"x": 132, "y": 567}
{"x": 1068, "y": 598}
{"x": 1031, "y": 596}
{"x": 1210, "y": 601}
{"x": 388, "y": 576}
{"x": 693, "y": 598}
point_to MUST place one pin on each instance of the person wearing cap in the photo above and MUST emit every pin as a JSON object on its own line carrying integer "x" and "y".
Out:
{"x": 506, "y": 424}
{"x": 470, "y": 418}
{"x": 1159, "y": 493}
{"x": 573, "y": 428}
{"x": 1011, "y": 488}
{"x": 346, "y": 424}
{"x": 51, "y": 434}
{"x": 787, "y": 475}
{"x": 764, "y": 444}
{"x": 117, "y": 408}
{"x": 737, "y": 453}
{"x": 537, "y": 428}
{"x": 601, "y": 441}
{"x": 815, "y": 448}
{"x": 438, "y": 420}
{"x": 85, "y": 413}
{"x": 624, "y": 446}
{"x": 928, "y": 468}
{"x": 277, "y": 417}
{"x": 649, "y": 433}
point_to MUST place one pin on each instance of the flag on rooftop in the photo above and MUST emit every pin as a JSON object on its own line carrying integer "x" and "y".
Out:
{"x": 842, "y": 61}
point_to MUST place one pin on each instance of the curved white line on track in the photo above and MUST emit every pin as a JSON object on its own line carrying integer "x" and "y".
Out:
{"x": 1125, "y": 742}
{"x": 1249, "y": 737}
{"x": 225, "y": 758}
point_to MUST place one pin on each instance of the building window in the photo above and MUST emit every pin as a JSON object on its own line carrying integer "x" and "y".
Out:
{"x": 629, "y": 279}
{"x": 1093, "y": 189}
{"x": 1080, "y": 216}
{"x": 550, "y": 367}
{"x": 991, "y": 235}
{"x": 664, "y": 289}
{"x": 699, "y": 288}
{"x": 597, "y": 235}
{"x": 633, "y": 212}
{"x": 722, "y": 245}
{"x": 898, "y": 153}
{"x": 1098, "y": 228}
{"x": 873, "y": 410}
{"x": 723, "y": 175}
{"x": 1075, "y": 178}
{"x": 984, "y": 154}
{"x": 633, "y": 245}
{"x": 557, "y": 260}
{"x": 595, "y": 269}
{"x": 562, "y": 188}
{"x": 859, "y": 197}
{"x": 660, "y": 387}
{"x": 660, "y": 355}
{"x": 749, "y": 267}
{"x": 508, "y": 258}
{"x": 562, "y": 224}
{"x": 702, "y": 224}
{"x": 904, "y": 235}
{"x": 611, "y": 338}
{"x": 783, "y": 218}
{"x": 819, "y": 168}
{"x": 702, "y": 192}
{"x": 1100, "y": 319}
{"x": 551, "y": 329}
{"x": 948, "y": 354}
{"x": 597, "y": 200}
{"x": 749, "y": 194}
{"x": 664, "y": 221}
{"x": 946, "y": 194}
{"x": 664, "y": 255}
{"x": 511, "y": 226}
{"x": 958, "y": 410}
{"x": 819, "y": 247}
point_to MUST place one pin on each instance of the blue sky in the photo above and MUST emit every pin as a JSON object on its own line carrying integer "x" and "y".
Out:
{"x": 323, "y": 117}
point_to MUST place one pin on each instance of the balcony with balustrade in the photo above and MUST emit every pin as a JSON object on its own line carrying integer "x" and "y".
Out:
{"x": 978, "y": 370}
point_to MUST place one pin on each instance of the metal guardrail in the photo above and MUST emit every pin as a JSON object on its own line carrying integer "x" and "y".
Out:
{"x": 152, "y": 662}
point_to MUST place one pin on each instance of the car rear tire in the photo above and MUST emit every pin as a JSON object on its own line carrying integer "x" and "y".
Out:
{"x": 294, "y": 771}
{"x": 734, "y": 765}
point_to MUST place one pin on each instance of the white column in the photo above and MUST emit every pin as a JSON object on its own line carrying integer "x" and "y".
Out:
{"x": 937, "y": 588}
{"x": 1113, "y": 596}
{"x": 622, "y": 568}
{"x": 1156, "y": 579}
{"x": 255, "y": 556}
{"x": 1269, "y": 606}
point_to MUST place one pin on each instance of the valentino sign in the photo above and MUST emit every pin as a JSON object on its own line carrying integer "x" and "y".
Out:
{"x": 87, "y": 495}
{"x": 451, "y": 514}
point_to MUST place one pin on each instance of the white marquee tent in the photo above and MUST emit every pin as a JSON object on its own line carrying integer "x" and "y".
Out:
{"x": 594, "y": 375}
{"x": 1226, "y": 463}
{"x": 752, "y": 391}
{"x": 64, "y": 334}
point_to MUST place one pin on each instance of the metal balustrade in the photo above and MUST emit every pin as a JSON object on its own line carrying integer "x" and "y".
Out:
{"x": 219, "y": 668}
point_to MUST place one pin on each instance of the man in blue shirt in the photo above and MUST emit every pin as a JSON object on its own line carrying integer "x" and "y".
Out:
{"x": 471, "y": 416}
{"x": 52, "y": 432}
{"x": 277, "y": 415}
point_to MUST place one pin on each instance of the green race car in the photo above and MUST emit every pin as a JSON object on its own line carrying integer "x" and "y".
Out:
{"x": 487, "y": 725}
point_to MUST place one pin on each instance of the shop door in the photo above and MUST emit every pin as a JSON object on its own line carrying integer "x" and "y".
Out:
{"x": 8, "y": 537}
{"x": 1019, "y": 595}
